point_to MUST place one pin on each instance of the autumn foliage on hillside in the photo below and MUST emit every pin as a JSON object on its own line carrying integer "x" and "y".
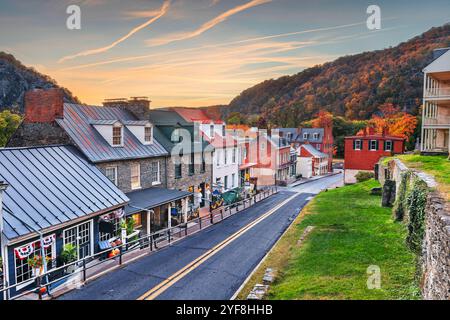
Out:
{"x": 353, "y": 87}
{"x": 394, "y": 121}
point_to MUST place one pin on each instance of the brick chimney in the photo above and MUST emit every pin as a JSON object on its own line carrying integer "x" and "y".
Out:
{"x": 44, "y": 105}
{"x": 138, "y": 106}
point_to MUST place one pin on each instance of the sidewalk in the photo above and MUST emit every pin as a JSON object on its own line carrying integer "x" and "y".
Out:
{"x": 95, "y": 268}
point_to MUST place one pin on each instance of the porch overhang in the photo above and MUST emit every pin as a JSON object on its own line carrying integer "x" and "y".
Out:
{"x": 152, "y": 198}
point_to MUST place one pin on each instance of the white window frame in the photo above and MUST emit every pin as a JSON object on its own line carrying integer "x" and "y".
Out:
{"x": 138, "y": 185}
{"x": 146, "y": 136}
{"x": 360, "y": 144}
{"x": 158, "y": 180}
{"x": 91, "y": 237}
{"x": 233, "y": 178}
{"x": 316, "y": 136}
{"x": 305, "y": 136}
{"x": 234, "y": 155}
{"x": 23, "y": 284}
{"x": 117, "y": 126}
{"x": 390, "y": 145}
{"x": 115, "y": 174}
{"x": 370, "y": 145}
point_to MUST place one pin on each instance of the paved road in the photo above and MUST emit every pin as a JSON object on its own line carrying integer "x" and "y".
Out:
{"x": 215, "y": 274}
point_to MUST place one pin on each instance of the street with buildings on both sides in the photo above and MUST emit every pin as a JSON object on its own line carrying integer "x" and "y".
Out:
{"x": 221, "y": 275}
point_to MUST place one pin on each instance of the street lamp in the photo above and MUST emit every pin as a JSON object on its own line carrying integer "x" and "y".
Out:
{"x": 3, "y": 246}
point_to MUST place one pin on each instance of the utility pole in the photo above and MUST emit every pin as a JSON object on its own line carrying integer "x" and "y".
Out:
{"x": 3, "y": 242}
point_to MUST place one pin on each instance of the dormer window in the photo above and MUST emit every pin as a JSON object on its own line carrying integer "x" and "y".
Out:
{"x": 148, "y": 134}
{"x": 305, "y": 136}
{"x": 176, "y": 135}
{"x": 316, "y": 136}
{"x": 117, "y": 135}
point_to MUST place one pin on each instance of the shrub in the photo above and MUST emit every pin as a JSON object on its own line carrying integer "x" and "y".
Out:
{"x": 415, "y": 203}
{"x": 362, "y": 176}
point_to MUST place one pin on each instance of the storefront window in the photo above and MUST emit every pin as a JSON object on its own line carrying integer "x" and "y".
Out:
{"x": 116, "y": 230}
{"x": 23, "y": 270}
{"x": 80, "y": 237}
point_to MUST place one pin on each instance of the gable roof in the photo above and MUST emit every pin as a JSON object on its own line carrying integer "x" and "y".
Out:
{"x": 195, "y": 115}
{"x": 441, "y": 64}
{"x": 78, "y": 123}
{"x": 49, "y": 186}
{"x": 168, "y": 118}
{"x": 311, "y": 132}
{"x": 313, "y": 151}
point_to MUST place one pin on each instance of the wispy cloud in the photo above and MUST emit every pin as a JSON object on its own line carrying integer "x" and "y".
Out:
{"x": 158, "y": 14}
{"x": 212, "y": 46}
{"x": 206, "y": 26}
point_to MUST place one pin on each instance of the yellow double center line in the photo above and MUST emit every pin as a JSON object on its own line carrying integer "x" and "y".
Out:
{"x": 170, "y": 281}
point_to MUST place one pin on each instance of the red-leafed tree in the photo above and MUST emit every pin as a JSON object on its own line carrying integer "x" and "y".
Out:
{"x": 323, "y": 119}
{"x": 395, "y": 121}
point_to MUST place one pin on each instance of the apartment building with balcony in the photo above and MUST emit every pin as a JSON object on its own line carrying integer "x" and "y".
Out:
{"x": 436, "y": 105}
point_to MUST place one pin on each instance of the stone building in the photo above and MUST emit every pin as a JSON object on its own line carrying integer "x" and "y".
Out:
{"x": 189, "y": 166}
{"x": 119, "y": 139}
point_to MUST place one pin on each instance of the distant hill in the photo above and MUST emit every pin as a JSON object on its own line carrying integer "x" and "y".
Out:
{"x": 351, "y": 86}
{"x": 16, "y": 79}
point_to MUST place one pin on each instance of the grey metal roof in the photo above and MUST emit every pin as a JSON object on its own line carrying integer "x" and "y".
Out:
{"x": 151, "y": 198}
{"x": 313, "y": 151}
{"x": 77, "y": 122}
{"x": 49, "y": 186}
{"x": 311, "y": 131}
{"x": 168, "y": 117}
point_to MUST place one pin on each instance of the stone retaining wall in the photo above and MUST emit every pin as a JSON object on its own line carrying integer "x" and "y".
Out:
{"x": 435, "y": 257}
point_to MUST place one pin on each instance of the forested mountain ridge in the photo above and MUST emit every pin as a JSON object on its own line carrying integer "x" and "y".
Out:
{"x": 16, "y": 79}
{"x": 351, "y": 86}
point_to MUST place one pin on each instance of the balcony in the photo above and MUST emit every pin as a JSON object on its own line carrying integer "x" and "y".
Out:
{"x": 442, "y": 93}
{"x": 439, "y": 122}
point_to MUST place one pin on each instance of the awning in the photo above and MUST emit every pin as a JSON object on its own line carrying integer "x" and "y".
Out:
{"x": 247, "y": 165}
{"x": 151, "y": 198}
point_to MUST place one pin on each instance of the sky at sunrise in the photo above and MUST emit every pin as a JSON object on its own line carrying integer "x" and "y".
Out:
{"x": 197, "y": 52}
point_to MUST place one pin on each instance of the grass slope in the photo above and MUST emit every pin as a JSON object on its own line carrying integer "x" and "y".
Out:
{"x": 352, "y": 232}
{"x": 437, "y": 166}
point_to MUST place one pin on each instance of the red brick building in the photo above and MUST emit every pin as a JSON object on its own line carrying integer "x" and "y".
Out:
{"x": 363, "y": 151}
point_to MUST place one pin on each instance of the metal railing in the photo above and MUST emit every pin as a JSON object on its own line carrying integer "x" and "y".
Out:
{"x": 97, "y": 264}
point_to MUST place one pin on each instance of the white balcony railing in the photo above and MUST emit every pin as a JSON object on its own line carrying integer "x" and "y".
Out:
{"x": 439, "y": 121}
{"x": 442, "y": 92}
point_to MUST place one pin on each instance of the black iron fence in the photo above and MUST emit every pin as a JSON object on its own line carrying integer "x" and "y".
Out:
{"x": 89, "y": 268}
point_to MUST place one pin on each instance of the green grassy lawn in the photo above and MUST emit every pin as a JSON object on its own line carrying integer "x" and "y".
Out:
{"x": 437, "y": 166}
{"x": 352, "y": 231}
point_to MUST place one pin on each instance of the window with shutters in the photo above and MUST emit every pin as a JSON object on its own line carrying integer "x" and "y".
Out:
{"x": 388, "y": 145}
{"x": 357, "y": 144}
{"x": 373, "y": 145}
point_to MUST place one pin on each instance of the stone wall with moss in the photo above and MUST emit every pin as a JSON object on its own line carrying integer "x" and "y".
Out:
{"x": 426, "y": 214}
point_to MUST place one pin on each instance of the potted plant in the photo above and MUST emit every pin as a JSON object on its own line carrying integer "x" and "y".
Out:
{"x": 36, "y": 264}
{"x": 69, "y": 255}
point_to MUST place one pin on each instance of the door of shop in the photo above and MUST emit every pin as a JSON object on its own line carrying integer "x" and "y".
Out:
{"x": 80, "y": 237}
